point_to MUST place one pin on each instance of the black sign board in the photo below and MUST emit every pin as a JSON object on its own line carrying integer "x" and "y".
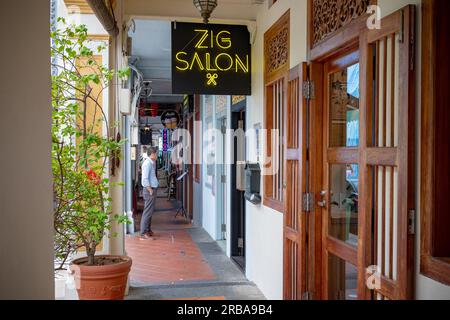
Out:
{"x": 211, "y": 59}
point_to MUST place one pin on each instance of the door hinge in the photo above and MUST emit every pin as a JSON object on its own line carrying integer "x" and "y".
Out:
{"x": 224, "y": 227}
{"x": 308, "y": 90}
{"x": 307, "y": 202}
{"x": 241, "y": 243}
{"x": 223, "y": 179}
{"x": 412, "y": 222}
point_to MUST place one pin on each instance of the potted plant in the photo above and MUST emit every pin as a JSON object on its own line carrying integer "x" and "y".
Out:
{"x": 82, "y": 145}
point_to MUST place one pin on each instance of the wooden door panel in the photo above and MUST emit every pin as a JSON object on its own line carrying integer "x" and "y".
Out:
{"x": 294, "y": 218}
{"x": 387, "y": 156}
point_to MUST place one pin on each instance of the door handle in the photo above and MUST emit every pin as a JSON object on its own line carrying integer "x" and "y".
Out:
{"x": 323, "y": 202}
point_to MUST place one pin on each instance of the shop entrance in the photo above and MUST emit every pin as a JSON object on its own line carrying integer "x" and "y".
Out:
{"x": 350, "y": 136}
{"x": 238, "y": 188}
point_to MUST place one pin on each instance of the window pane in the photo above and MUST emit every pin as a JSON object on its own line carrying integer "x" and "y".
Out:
{"x": 343, "y": 220}
{"x": 344, "y": 107}
{"x": 342, "y": 279}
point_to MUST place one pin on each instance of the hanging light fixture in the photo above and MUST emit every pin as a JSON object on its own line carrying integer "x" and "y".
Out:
{"x": 206, "y": 7}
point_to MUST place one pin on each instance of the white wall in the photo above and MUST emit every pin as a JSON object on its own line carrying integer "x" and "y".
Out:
{"x": 26, "y": 197}
{"x": 264, "y": 226}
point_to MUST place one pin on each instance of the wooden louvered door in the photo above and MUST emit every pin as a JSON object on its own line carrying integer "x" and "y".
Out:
{"x": 350, "y": 147}
{"x": 294, "y": 219}
{"x": 387, "y": 158}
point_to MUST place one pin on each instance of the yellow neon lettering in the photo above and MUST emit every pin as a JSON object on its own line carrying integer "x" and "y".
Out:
{"x": 199, "y": 62}
{"x": 182, "y": 61}
{"x": 240, "y": 64}
{"x": 208, "y": 63}
{"x": 230, "y": 59}
{"x": 226, "y": 41}
{"x": 199, "y": 44}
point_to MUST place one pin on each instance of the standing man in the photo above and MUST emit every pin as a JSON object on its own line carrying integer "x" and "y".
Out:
{"x": 150, "y": 185}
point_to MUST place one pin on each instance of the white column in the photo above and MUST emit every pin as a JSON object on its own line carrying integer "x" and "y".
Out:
{"x": 26, "y": 213}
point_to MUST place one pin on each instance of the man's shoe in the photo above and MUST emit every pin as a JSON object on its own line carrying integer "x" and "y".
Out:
{"x": 146, "y": 237}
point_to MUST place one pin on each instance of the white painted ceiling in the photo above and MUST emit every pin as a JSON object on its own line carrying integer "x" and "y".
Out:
{"x": 151, "y": 39}
{"x": 151, "y": 52}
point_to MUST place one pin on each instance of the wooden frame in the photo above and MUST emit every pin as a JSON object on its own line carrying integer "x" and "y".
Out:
{"x": 401, "y": 22}
{"x": 334, "y": 156}
{"x": 276, "y": 69}
{"x": 271, "y": 3}
{"x": 294, "y": 255}
{"x": 268, "y": 198}
{"x": 431, "y": 266}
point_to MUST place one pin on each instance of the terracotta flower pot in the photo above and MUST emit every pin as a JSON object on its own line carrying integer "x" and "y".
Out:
{"x": 101, "y": 282}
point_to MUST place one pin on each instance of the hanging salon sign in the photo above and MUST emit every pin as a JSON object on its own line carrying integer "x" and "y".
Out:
{"x": 211, "y": 59}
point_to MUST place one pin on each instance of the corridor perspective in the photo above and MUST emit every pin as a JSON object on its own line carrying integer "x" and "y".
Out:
{"x": 183, "y": 262}
{"x": 233, "y": 150}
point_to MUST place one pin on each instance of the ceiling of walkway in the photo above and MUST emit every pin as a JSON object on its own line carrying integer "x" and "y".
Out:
{"x": 226, "y": 9}
{"x": 151, "y": 38}
{"x": 151, "y": 52}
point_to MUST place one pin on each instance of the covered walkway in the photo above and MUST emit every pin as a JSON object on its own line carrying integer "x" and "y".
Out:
{"x": 183, "y": 262}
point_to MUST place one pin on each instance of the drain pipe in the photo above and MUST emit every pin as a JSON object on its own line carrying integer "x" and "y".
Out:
{"x": 104, "y": 16}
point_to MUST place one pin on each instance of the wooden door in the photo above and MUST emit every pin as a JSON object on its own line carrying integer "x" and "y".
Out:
{"x": 339, "y": 196}
{"x": 367, "y": 198}
{"x": 302, "y": 221}
{"x": 294, "y": 217}
{"x": 350, "y": 147}
{"x": 387, "y": 158}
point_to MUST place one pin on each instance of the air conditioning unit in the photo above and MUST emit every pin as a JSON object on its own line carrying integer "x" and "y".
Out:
{"x": 125, "y": 101}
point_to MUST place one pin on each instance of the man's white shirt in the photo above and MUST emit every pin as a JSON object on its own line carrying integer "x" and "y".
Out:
{"x": 149, "y": 178}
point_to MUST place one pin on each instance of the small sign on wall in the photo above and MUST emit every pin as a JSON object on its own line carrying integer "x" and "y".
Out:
{"x": 211, "y": 59}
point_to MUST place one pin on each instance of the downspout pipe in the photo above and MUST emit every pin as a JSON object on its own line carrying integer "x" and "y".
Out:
{"x": 104, "y": 16}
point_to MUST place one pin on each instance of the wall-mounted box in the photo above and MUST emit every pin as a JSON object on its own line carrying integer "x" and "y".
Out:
{"x": 253, "y": 183}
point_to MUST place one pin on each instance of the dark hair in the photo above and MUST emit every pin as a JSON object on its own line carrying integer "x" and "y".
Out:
{"x": 152, "y": 150}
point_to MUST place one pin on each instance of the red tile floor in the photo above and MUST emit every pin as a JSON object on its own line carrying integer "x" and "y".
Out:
{"x": 172, "y": 256}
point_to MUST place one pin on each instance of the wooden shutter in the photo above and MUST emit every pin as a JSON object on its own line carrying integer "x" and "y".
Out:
{"x": 387, "y": 156}
{"x": 294, "y": 220}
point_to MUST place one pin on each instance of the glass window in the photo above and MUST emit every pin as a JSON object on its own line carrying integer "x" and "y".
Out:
{"x": 342, "y": 279}
{"x": 343, "y": 220}
{"x": 344, "y": 107}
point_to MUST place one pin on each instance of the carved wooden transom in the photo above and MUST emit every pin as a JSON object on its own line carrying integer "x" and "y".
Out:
{"x": 278, "y": 50}
{"x": 329, "y": 16}
{"x": 276, "y": 47}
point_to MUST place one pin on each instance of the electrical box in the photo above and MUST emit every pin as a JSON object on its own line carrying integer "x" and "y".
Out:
{"x": 125, "y": 101}
{"x": 253, "y": 183}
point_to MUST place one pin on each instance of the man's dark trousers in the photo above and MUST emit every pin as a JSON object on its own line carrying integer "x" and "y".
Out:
{"x": 149, "y": 209}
